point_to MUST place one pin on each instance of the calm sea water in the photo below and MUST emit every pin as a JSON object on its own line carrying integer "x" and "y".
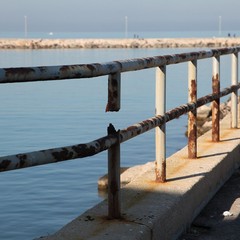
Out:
{"x": 38, "y": 201}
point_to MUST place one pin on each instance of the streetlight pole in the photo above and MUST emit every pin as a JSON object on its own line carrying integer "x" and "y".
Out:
{"x": 25, "y": 26}
{"x": 126, "y": 27}
{"x": 220, "y": 25}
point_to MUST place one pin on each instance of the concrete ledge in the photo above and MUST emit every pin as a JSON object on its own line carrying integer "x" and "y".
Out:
{"x": 163, "y": 211}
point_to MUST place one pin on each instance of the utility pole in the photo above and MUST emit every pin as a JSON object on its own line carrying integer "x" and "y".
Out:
{"x": 126, "y": 27}
{"x": 25, "y": 26}
{"x": 220, "y": 25}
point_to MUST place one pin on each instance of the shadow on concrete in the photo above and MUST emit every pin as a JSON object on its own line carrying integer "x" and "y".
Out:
{"x": 211, "y": 222}
{"x": 164, "y": 216}
{"x": 213, "y": 155}
{"x": 230, "y": 139}
{"x": 186, "y": 176}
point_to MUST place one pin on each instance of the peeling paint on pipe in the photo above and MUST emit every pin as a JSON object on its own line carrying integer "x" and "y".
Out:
{"x": 89, "y": 149}
{"x": 29, "y": 74}
{"x": 57, "y": 154}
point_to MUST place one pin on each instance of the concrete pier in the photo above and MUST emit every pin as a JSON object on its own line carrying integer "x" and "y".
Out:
{"x": 118, "y": 43}
{"x": 163, "y": 211}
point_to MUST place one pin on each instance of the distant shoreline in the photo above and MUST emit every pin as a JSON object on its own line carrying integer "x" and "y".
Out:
{"x": 118, "y": 43}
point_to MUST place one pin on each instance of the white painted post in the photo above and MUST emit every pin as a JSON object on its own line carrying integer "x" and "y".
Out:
{"x": 192, "y": 115}
{"x": 216, "y": 103}
{"x": 234, "y": 95}
{"x": 160, "y": 139}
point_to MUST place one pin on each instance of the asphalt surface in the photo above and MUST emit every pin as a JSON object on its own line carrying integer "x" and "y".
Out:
{"x": 220, "y": 219}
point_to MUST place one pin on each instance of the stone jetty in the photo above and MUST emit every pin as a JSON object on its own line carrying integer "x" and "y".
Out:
{"x": 118, "y": 43}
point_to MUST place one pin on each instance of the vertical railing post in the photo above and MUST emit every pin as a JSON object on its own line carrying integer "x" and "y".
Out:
{"x": 192, "y": 115}
{"x": 114, "y": 92}
{"x": 160, "y": 136}
{"x": 114, "y": 205}
{"x": 234, "y": 95}
{"x": 216, "y": 103}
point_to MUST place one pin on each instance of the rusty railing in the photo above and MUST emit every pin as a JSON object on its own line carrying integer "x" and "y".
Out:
{"x": 113, "y": 139}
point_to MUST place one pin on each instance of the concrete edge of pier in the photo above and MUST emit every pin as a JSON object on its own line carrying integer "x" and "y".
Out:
{"x": 153, "y": 210}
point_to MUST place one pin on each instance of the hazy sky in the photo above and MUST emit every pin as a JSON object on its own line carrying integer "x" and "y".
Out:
{"x": 109, "y": 15}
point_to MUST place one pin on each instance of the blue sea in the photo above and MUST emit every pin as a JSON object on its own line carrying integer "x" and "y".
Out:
{"x": 38, "y": 201}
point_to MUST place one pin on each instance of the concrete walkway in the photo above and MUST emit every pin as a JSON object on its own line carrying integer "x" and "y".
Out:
{"x": 164, "y": 211}
{"x": 220, "y": 219}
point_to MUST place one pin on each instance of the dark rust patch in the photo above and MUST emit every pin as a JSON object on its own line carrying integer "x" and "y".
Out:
{"x": 119, "y": 64}
{"x": 12, "y": 73}
{"x": 112, "y": 104}
{"x": 91, "y": 67}
{"x": 68, "y": 70}
{"x": 84, "y": 150}
{"x": 4, "y": 164}
{"x": 183, "y": 56}
{"x": 22, "y": 157}
{"x": 65, "y": 68}
{"x": 113, "y": 93}
{"x": 42, "y": 69}
{"x": 192, "y": 139}
{"x": 161, "y": 174}
{"x": 62, "y": 155}
{"x": 216, "y": 83}
{"x": 131, "y": 128}
{"x": 22, "y": 160}
{"x": 168, "y": 58}
{"x": 193, "y": 90}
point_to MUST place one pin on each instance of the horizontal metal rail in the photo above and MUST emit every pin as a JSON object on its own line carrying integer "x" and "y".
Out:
{"x": 113, "y": 139}
{"x": 29, "y": 74}
{"x": 42, "y": 157}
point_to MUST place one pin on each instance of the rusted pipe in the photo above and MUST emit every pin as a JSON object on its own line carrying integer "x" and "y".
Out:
{"x": 216, "y": 102}
{"x": 160, "y": 134}
{"x": 234, "y": 95}
{"x": 114, "y": 201}
{"x": 114, "y": 92}
{"x": 43, "y": 73}
{"x": 153, "y": 122}
{"x": 192, "y": 115}
{"x": 36, "y": 158}
{"x": 56, "y": 154}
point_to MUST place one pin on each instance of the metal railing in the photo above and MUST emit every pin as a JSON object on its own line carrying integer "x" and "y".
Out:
{"x": 113, "y": 139}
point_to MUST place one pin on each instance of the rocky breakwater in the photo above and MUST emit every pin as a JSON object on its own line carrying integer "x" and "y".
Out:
{"x": 204, "y": 116}
{"x": 118, "y": 43}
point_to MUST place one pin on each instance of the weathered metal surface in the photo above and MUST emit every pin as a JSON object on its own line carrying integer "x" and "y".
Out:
{"x": 36, "y": 158}
{"x": 192, "y": 115}
{"x": 234, "y": 95}
{"x": 160, "y": 134}
{"x": 114, "y": 201}
{"x": 28, "y": 74}
{"x": 216, "y": 102}
{"x": 114, "y": 92}
{"x": 57, "y": 154}
{"x": 112, "y": 141}
{"x": 153, "y": 122}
